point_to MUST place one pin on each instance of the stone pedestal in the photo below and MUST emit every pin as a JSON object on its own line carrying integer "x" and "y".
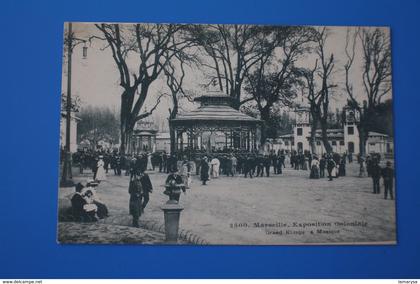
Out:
{"x": 172, "y": 211}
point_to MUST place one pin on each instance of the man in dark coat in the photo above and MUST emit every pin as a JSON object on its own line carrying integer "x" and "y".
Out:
{"x": 165, "y": 162}
{"x": 260, "y": 165}
{"x": 388, "y": 176}
{"x": 342, "y": 167}
{"x": 280, "y": 163}
{"x": 139, "y": 189}
{"x": 322, "y": 163}
{"x": 369, "y": 164}
{"x": 375, "y": 173}
{"x": 274, "y": 160}
{"x": 229, "y": 165}
{"x": 248, "y": 166}
{"x": 204, "y": 170}
{"x": 330, "y": 166}
{"x": 135, "y": 189}
{"x": 147, "y": 189}
{"x": 94, "y": 166}
{"x": 267, "y": 165}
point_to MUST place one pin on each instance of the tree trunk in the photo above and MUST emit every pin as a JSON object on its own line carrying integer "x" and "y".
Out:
{"x": 172, "y": 115}
{"x": 123, "y": 140}
{"x": 324, "y": 137}
{"x": 173, "y": 140}
{"x": 312, "y": 140}
{"x": 265, "y": 116}
{"x": 126, "y": 126}
{"x": 363, "y": 136}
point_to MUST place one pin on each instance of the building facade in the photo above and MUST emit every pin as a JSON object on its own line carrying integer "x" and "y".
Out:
{"x": 163, "y": 142}
{"x": 342, "y": 140}
{"x": 73, "y": 132}
{"x": 144, "y": 137}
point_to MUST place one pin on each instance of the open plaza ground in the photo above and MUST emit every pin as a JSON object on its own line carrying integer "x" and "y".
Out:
{"x": 280, "y": 209}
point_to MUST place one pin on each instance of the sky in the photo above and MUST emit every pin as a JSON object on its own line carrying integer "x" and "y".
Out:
{"x": 95, "y": 79}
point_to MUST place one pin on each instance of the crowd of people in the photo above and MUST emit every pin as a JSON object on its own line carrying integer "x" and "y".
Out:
{"x": 87, "y": 207}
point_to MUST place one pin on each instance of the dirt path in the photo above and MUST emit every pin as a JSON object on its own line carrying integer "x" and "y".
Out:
{"x": 283, "y": 209}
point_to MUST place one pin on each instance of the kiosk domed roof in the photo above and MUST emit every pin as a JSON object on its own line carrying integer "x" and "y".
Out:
{"x": 215, "y": 106}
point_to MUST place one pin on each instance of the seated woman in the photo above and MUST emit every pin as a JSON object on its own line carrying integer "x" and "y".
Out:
{"x": 80, "y": 211}
{"x": 90, "y": 208}
{"x": 102, "y": 210}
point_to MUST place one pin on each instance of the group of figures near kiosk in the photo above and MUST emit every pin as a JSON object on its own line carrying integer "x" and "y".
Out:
{"x": 87, "y": 207}
{"x": 226, "y": 103}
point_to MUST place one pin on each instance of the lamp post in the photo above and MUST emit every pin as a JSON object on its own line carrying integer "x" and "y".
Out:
{"x": 66, "y": 177}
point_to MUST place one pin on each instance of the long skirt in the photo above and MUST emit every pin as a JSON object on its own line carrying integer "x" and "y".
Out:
{"x": 100, "y": 174}
{"x": 215, "y": 171}
{"x": 314, "y": 172}
{"x": 102, "y": 210}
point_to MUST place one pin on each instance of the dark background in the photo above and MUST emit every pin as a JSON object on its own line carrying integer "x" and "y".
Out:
{"x": 31, "y": 35}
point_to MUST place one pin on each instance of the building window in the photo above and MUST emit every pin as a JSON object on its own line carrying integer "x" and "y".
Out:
{"x": 293, "y": 143}
{"x": 318, "y": 143}
{"x": 350, "y": 130}
{"x": 342, "y": 143}
{"x": 334, "y": 143}
{"x": 286, "y": 143}
{"x": 372, "y": 144}
{"x": 299, "y": 131}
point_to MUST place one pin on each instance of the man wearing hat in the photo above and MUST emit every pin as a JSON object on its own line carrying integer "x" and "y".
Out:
{"x": 330, "y": 167}
{"x": 139, "y": 189}
{"x": 388, "y": 176}
{"x": 375, "y": 173}
{"x": 77, "y": 203}
{"x": 204, "y": 170}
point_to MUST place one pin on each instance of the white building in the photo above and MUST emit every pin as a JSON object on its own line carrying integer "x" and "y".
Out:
{"x": 163, "y": 142}
{"x": 342, "y": 140}
{"x": 73, "y": 131}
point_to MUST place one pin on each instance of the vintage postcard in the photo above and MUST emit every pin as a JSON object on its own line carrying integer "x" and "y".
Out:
{"x": 199, "y": 134}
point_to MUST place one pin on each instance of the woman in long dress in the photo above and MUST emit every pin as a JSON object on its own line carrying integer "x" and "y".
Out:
{"x": 215, "y": 165}
{"x": 314, "y": 168}
{"x": 149, "y": 162}
{"x": 204, "y": 174}
{"x": 100, "y": 173}
{"x": 102, "y": 210}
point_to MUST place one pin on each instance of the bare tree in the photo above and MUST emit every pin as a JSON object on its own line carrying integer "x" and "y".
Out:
{"x": 376, "y": 77}
{"x": 275, "y": 78}
{"x": 324, "y": 74}
{"x": 313, "y": 96}
{"x": 233, "y": 50}
{"x": 174, "y": 82}
{"x": 150, "y": 43}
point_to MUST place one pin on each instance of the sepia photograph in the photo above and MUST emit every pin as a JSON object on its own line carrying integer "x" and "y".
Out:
{"x": 215, "y": 134}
